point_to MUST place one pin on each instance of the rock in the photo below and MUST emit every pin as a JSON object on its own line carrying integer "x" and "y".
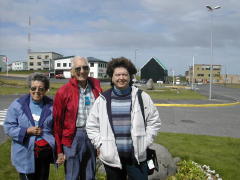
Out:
{"x": 167, "y": 165}
{"x": 150, "y": 85}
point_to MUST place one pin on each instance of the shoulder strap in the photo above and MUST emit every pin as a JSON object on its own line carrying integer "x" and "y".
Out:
{"x": 139, "y": 93}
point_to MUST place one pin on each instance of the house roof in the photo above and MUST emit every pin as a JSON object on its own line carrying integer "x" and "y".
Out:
{"x": 158, "y": 61}
{"x": 38, "y": 52}
{"x": 66, "y": 57}
{"x": 93, "y": 59}
{"x": 90, "y": 59}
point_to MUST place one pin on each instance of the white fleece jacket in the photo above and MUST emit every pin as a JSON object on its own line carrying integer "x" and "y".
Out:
{"x": 101, "y": 135}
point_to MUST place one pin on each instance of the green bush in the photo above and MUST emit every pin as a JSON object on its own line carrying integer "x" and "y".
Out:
{"x": 188, "y": 170}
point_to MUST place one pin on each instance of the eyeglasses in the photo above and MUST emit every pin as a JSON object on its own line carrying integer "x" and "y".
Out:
{"x": 78, "y": 69}
{"x": 118, "y": 75}
{"x": 40, "y": 89}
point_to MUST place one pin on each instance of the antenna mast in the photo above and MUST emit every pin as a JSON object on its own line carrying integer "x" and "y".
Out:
{"x": 29, "y": 35}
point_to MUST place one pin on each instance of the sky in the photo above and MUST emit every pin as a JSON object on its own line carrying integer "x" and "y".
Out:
{"x": 174, "y": 31}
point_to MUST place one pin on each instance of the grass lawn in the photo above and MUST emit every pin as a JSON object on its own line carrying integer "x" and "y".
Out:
{"x": 220, "y": 153}
{"x": 26, "y": 72}
{"x": 20, "y": 87}
{"x": 233, "y": 85}
{"x": 169, "y": 93}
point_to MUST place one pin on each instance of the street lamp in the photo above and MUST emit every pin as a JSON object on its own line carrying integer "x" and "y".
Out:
{"x": 135, "y": 57}
{"x": 211, "y": 9}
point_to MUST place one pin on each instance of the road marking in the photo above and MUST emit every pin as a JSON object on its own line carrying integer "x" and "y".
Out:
{"x": 197, "y": 105}
{"x": 3, "y": 114}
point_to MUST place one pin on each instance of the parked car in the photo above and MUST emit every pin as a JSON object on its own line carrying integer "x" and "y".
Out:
{"x": 59, "y": 76}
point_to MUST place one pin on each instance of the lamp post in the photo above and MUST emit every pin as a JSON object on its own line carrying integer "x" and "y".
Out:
{"x": 173, "y": 81}
{"x": 211, "y": 9}
{"x": 135, "y": 61}
{"x": 193, "y": 74}
{"x": 135, "y": 57}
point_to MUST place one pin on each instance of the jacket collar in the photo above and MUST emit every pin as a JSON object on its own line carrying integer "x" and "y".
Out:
{"x": 47, "y": 103}
{"x": 93, "y": 82}
{"x": 95, "y": 85}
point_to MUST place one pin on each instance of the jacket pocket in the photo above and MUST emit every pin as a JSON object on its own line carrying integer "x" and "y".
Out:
{"x": 141, "y": 145}
{"x": 108, "y": 150}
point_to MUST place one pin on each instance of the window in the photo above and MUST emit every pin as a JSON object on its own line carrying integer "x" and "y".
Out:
{"x": 31, "y": 57}
{"x": 69, "y": 65}
{"x": 39, "y": 63}
{"x": 47, "y": 56}
{"x": 31, "y": 64}
{"x": 64, "y": 64}
{"x": 58, "y": 64}
{"x": 39, "y": 57}
{"x": 91, "y": 64}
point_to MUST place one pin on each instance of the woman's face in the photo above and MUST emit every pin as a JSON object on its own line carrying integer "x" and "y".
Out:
{"x": 121, "y": 78}
{"x": 37, "y": 90}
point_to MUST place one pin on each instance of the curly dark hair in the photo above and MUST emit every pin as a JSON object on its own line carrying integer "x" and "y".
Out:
{"x": 121, "y": 62}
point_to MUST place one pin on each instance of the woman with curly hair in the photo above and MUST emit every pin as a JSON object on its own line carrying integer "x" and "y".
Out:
{"x": 116, "y": 126}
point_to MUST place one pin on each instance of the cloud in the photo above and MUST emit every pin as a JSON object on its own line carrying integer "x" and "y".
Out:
{"x": 173, "y": 31}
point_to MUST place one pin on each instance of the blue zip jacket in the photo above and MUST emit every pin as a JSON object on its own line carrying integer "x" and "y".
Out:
{"x": 18, "y": 120}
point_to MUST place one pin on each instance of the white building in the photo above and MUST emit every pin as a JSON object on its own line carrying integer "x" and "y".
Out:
{"x": 97, "y": 67}
{"x": 62, "y": 64}
{"x": 19, "y": 66}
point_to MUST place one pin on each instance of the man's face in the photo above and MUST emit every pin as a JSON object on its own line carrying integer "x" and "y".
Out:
{"x": 121, "y": 78}
{"x": 81, "y": 70}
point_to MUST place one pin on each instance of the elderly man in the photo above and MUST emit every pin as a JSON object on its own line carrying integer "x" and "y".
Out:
{"x": 72, "y": 104}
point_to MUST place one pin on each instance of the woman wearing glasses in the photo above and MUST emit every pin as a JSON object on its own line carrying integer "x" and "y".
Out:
{"x": 29, "y": 123}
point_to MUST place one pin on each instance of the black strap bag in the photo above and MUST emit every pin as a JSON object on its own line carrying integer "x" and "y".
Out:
{"x": 151, "y": 153}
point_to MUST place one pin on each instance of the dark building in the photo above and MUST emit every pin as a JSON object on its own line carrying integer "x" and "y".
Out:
{"x": 155, "y": 70}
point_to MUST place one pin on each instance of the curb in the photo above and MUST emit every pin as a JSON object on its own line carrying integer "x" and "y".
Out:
{"x": 197, "y": 105}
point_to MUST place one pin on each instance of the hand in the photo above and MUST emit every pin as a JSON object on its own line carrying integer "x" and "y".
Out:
{"x": 35, "y": 131}
{"x": 60, "y": 158}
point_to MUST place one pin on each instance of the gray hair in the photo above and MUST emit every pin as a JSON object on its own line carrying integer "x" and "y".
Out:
{"x": 36, "y": 76}
{"x": 78, "y": 58}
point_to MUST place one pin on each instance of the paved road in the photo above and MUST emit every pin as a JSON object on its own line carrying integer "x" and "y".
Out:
{"x": 220, "y": 92}
{"x": 215, "y": 121}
